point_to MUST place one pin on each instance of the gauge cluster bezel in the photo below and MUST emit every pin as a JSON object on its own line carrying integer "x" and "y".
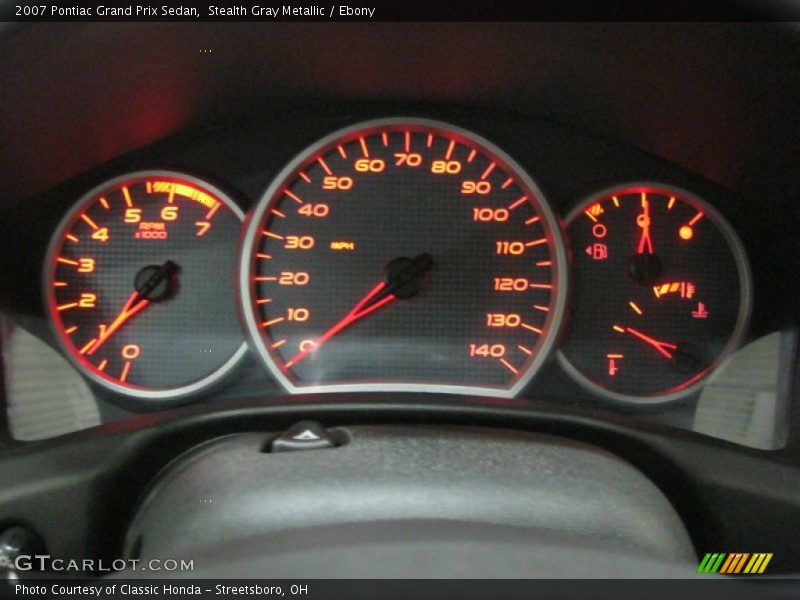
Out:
{"x": 568, "y": 165}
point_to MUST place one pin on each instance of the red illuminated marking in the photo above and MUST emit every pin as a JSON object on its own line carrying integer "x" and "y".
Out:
{"x": 385, "y": 138}
{"x": 263, "y": 300}
{"x": 364, "y": 149}
{"x": 658, "y": 345}
{"x": 305, "y": 177}
{"x": 544, "y": 263}
{"x": 590, "y": 215}
{"x": 293, "y": 196}
{"x": 104, "y": 203}
{"x": 541, "y": 286}
{"x": 341, "y": 151}
{"x": 531, "y": 327}
{"x": 325, "y": 166}
{"x": 91, "y": 223}
{"x": 509, "y": 365}
{"x": 643, "y": 221}
{"x": 615, "y": 200}
{"x": 133, "y": 305}
{"x": 213, "y": 210}
{"x": 355, "y": 314}
{"x": 67, "y": 306}
{"x": 272, "y": 235}
{"x": 618, "y": 328}
{"x": 88, "y": 346}
{"x": 525, "y": 350}
{"x": 635, "y": 307}
{"x": 127, "y": 195}
{"x": 614, "y": 356}
{"x": 471, "y": 156}
{"x": 408, "y": 141}
{"x": 149, "y": 187}
{"x": 507, "y": 183}
{"x": 696, "y": 218}
{"x": 278, "y": 213}
{"x": 701, "y": 312}
{"x": 71, "y": 330}
{"x": 266, "y": 278}
{"x": 532, "y": 220}
{"x": 517, "y": 203}
{"x": 272, "y": 322}
{"x": 125, "y": 371}
{"x": 612, "y": 367}
{"x": 536, "y": 242}
{"x": 278, "y": 344}
{"x": 102, "y": 365}
{"x": 430, "y": 140}
{"x": 263, "y": 256}
{"x": 67, "y": 261}
{"x": 686, "y": 289}
{"x": 450, "y": 150}
{"x": 72, "y": 238}
{"x": 541, "y": 308}
{"x": 488, "y": 170}
{"x": 671, "y": 203}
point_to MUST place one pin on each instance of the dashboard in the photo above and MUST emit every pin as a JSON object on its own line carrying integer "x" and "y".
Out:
{"x": 577, "y": 229}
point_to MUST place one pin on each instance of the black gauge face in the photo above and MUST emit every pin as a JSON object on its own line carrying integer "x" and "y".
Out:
{"x": 405, "y": 255}
{"x": 140, "y": 285}
{"x": 661, "y": 293}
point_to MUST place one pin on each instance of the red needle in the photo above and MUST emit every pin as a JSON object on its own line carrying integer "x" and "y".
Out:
{"x": 131, "y": 308}
{"x": 660, "y": 346}
{"x": 356, "y": 313}
{"x": 643, "y": 221}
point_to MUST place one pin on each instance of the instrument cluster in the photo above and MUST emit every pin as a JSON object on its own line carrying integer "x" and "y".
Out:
{"x": 395, "y": 254}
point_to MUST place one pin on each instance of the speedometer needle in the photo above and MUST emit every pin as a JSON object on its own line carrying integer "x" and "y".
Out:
{"x": 658, "y": 345}
{"x": 399, "y": 284}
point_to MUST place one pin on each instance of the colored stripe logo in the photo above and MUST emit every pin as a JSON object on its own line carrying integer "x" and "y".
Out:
{"x": 735, "y": 563}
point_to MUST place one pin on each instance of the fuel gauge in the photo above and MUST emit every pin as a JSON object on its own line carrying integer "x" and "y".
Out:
{"x": 661, "y": 293}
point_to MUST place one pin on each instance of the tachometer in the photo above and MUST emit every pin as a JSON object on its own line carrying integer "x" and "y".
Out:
{"x": 661, "y": 293}
{"x": 140, "y": 285}
{"x": 403, "y": 254}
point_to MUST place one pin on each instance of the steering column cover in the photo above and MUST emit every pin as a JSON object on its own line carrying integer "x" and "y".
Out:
{"x": 392, "y": 496}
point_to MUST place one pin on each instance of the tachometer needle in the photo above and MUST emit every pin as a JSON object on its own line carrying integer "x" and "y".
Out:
{"x": 137, "y": 301}
{"x": 132, "y": 306}
{"x": 658, "y": 345}
{"x": 382, "y": 294}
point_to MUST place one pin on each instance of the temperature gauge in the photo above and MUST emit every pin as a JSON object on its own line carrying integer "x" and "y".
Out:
{"x": 661, "y": 293}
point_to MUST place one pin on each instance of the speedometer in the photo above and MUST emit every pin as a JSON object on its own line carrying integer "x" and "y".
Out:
{"x": 403, "y": 254}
